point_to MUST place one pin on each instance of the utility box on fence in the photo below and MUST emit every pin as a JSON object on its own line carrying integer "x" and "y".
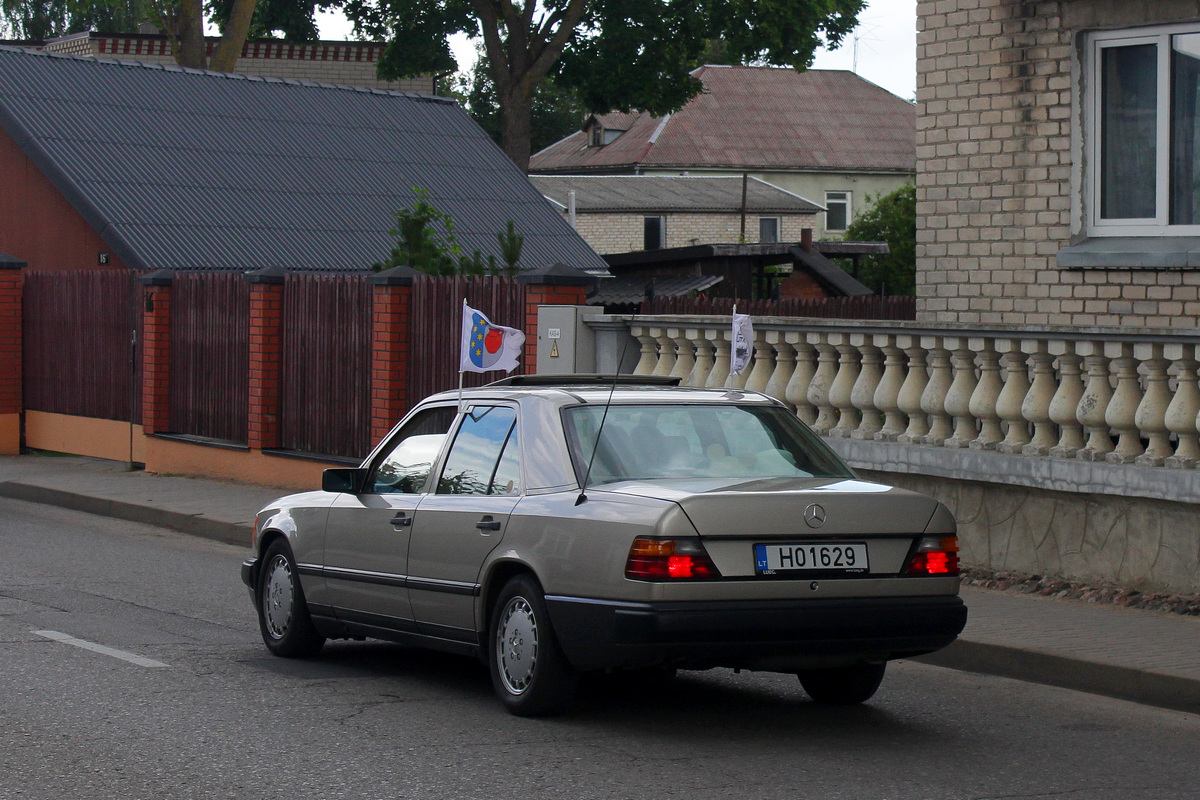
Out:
{"x": 564, "y": 343}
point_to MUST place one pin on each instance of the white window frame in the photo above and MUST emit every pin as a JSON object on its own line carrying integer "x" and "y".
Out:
{"x": 1159, "y": 224}
{"x": 848, "y": 200}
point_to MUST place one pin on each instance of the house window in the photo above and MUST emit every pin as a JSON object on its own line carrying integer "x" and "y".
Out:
{"x": 1142, "y": 132}
{"x": 597, "y": 136}
{"x": 654, "y": 233}
{"x": 837, "y": 211}
{"x": 768, "y": 230}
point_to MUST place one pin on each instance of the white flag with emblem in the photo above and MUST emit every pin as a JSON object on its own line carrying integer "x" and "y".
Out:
{"x": 743, "y": 343}
{"x": 485, "y": 346}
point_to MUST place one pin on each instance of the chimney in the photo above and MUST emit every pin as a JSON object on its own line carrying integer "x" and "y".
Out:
{"x": 806, "y": 239}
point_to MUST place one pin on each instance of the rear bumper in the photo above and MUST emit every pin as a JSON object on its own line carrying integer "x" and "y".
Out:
{"x": 772, "y": 635}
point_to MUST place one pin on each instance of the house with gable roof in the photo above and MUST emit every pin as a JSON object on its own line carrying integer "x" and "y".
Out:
{"x": 147, "y": 167}
{"x": 828, "y": 136}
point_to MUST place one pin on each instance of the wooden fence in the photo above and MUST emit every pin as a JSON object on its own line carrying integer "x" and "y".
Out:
{"x": 325, "y": 391}
{"x": 78, "y": 332}
{"x": 210, "y": 355}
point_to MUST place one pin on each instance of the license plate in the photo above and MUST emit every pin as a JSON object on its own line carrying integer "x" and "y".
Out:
{"x": 825, "y": 557}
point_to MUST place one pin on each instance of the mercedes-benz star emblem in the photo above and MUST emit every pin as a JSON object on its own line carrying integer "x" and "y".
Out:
{"x": 814, "y": 515}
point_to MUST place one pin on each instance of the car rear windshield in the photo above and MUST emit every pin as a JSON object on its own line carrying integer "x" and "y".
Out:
{"x": 639, "y": 442}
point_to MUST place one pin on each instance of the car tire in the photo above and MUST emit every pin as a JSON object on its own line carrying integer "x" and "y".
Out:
{"x": 530, "y": 674}
{"x": 287, "y": 629}
{"x": 843, "y": 686}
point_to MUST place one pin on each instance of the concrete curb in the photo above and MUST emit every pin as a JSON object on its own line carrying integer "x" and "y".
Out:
{"x": 218, "y": 530}
{"x": 1034, "y": 666}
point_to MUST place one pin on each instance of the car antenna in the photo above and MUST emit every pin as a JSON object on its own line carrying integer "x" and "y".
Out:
{"x": 596, "y": 444}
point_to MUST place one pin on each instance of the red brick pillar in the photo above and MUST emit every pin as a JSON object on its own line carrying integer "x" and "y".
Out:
{"x": 156, "y": 351}
{"x": 391, "y": 326}
{"x": 266, "y": 357}
{"x": 11, "y": 282}
{"x": 557, "y": 284}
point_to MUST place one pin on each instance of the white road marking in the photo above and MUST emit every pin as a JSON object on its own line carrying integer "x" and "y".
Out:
{"x": 132, "y": 658}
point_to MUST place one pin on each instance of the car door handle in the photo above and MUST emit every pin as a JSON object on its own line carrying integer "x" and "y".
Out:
{"x": 401, "y": 520}
{"x": 488, "y": 524}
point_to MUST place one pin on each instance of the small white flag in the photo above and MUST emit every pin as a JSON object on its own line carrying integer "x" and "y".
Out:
{"x": 742, "y": 345}
{"x": 485, "y": 346}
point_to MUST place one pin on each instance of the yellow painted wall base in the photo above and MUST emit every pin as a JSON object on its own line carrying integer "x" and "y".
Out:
{"x": 167, "y": 456}
{"x": 110, "y": 439}
{"x": 84, "y": 436}
{"x": 10, "y": 434}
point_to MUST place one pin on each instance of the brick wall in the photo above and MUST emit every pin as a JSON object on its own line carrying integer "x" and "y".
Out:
{"x": 997, "y": 183}
{"x": 342, "y": 63}
{"x": 621, "y": 233}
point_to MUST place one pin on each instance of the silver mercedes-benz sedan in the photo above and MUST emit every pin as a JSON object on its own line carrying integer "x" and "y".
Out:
{"x": 552, "y": 525}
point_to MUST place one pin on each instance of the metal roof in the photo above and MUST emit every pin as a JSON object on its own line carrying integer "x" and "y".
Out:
{"x": 643, "y": 193}
{"x": 765, "y": 118}
{"x": 184, "y": 169}
{"x": 634, "y": 288}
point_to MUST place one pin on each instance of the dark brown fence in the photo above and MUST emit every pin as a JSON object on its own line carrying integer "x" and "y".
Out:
{"x": 78, "y": 334}
{"x": 437, "y": 327}
{"x": 325, "y": 404}
{"x": 210, "y": 355}
{"x": 870, "y": 307}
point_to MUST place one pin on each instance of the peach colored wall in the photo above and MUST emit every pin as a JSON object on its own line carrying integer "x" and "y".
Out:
{"x": 180, "y": 458}
{"x": 102, "y": 438}
{"x": 10, "y": 434}
{"x": 83, "y": 436}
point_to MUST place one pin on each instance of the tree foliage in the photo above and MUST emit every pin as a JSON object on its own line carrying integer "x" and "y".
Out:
{"x": 616, "y": 54}
{"x": 556, "y": 112}
{"x": 181, "y": 20}
{"x": 39, "y": 20}
{"x": 426, "y": 242}
{"x": 893, "y": 219}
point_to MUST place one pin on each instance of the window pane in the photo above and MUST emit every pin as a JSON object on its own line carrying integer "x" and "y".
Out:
{"x": 1129, "y": 92}
{"x": 664, "y": 442}
{"x": 837, "y": 214}
{"x": 768, "y": 230}
{"x": 653, "y": 230}
{"x": 1185, "y": 130}
{"x": 476, "y": 450}
{"x": 405, "y": 468}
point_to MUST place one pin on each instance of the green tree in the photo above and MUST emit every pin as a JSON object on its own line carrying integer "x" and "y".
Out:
{"x": 556, "y": 112}
{"x": 892, "y": 218}
{"x": 425, "y": 241}
{"x": 181, "y": 20}
{"x": 39, "y": 20}
{"x": 617, "y": 54}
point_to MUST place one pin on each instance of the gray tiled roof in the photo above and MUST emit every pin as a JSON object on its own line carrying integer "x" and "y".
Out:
{"x": 182, "y": 169}
{"x": 632, "y": 193}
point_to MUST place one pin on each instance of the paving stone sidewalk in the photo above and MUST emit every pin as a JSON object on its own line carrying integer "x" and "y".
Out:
{"x": 1144, "y": 656}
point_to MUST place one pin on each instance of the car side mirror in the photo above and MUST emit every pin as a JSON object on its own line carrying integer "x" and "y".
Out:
{"x": 343, "y": 479}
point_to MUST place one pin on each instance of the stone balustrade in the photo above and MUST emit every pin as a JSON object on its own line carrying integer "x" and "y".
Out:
{"x": 1098, "y": 395}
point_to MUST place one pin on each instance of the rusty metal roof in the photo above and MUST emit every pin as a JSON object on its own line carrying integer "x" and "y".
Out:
{"x": 765, "y": 118}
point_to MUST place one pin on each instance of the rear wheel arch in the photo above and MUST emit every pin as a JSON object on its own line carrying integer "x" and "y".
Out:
{"x": 497, "y": 578}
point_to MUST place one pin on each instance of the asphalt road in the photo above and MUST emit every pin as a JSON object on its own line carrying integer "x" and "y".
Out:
{"x": 188, "y": 704}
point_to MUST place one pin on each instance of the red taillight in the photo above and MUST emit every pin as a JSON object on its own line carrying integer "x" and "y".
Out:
{"x": 669, "y": 559}
{"x": 935, "y": 555}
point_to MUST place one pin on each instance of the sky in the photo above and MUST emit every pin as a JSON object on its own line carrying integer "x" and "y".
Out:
{"x": 885, "y": 53}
